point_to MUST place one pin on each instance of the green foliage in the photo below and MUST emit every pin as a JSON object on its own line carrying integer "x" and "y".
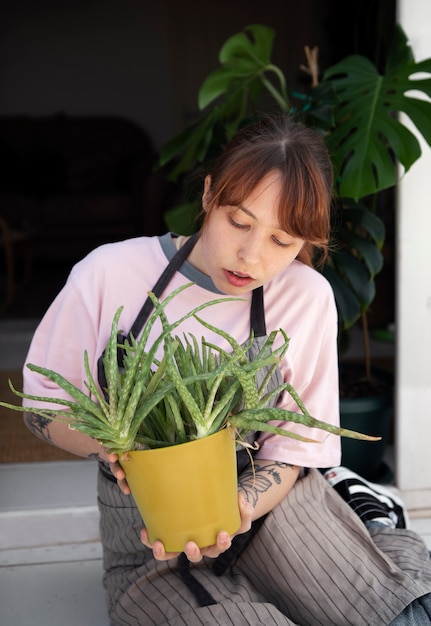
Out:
{"x": 194, "y": 391}
{"x": 368, "y": 140}
{"x": 354, "y": 107}
{"x": 355, "y": 260}
{"x": 229, "y": 95}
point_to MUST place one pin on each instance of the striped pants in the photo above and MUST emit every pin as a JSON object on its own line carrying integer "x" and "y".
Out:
{"x": 312, "y": 563}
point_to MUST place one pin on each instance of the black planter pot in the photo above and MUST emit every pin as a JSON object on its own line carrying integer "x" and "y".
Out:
{"x": 371, "y": 415}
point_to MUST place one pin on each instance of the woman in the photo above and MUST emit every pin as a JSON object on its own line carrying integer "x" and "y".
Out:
{"x": 301, "y": 556}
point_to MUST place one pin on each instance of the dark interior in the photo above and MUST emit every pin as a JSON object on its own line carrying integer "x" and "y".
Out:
{"x": 91, "y": 91}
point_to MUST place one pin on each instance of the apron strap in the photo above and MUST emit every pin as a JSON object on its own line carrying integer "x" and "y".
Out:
{"x": 257, "y": 313}
{"x": 163, "y": 281}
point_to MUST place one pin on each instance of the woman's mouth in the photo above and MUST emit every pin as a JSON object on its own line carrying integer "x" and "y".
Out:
{"x": 238, "y": 279}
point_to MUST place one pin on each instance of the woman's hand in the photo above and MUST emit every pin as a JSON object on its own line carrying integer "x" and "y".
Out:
{"x": 192, "y": 550}
{"x": 118, "y": 472}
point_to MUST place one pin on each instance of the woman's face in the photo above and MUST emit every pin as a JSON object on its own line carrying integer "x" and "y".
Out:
{"x": 243, "y": 247}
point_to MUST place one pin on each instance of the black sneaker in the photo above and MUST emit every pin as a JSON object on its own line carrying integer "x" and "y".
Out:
{"x": 372, "y": 502}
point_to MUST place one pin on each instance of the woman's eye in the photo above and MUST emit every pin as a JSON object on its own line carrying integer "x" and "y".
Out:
{"x": 280, "y": 243}
{"x": 236, "y": 224}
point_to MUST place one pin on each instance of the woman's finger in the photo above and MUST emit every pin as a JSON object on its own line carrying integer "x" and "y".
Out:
{"x": 157, "y": 547}
{"x": 119, "y": 473}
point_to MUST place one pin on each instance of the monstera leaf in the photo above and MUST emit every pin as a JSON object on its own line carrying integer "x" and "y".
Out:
{"x": 227, "y": 98}
{"x": 368, "y": 139}
{"x": 245, "y": 63}
{"x": 355, "y": 260}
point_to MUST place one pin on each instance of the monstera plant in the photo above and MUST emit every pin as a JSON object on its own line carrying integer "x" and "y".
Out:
{"x": 353, "y": 105}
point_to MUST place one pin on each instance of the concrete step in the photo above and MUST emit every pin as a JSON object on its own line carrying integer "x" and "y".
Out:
{"x": 50, "y": 554}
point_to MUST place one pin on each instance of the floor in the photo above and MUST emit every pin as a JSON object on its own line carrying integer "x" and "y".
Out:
{"x": 50, "y": 553}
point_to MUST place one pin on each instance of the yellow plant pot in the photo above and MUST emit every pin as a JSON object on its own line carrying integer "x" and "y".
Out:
{"x": 186, "y": 492}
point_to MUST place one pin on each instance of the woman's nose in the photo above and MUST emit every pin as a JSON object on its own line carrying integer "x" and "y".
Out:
{"x": 250, "y": 251}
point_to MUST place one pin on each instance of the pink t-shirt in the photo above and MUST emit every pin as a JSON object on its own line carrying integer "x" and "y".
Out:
{"x": 299, "y": 300}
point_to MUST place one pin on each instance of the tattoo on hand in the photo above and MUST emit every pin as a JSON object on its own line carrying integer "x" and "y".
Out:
{"x": 253, "y": 482}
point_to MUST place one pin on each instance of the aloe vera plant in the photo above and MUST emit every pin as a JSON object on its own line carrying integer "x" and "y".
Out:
{"x": 193, "y": 391}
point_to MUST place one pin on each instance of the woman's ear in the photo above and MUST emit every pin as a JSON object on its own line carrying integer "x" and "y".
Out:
{"x": 206, "y": 196}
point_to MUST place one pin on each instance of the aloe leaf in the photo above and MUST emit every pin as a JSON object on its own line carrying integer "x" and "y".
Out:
{"x": 248, "y": 385}
{"x": 224, "y": 407}
{"x": 20, "y": 394}
{"x": 274, "y": 414}
{"x": 156, "y": 378}
{"x": 194, "y": 390}
{"x": 264, "y": 385}
{"x": 173, "y": 374}
{"x": 148, "y": 442}
{"x": 177, "y": 418}
{"x": 142, "y": 384}
{"x": 236, "y": 347}
{"x": 137, "y": 374}
{"x": 81, "y": 398}
{"x": 215, "y": 385}
{"x": 110, "y": 364}
{"x": 265, "y": 399}
{"x": 189, "y": 362}
{"x": 257, "y": 425}
{"x": 94, "y": 389}
{"x": 144, "y": 409}
{"x": 49, "y": 414}
{"x": 268, "y": 349}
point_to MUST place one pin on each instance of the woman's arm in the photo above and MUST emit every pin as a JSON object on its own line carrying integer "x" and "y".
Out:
{"x": 60, "y": 435}
{"x": 266, "y": 483}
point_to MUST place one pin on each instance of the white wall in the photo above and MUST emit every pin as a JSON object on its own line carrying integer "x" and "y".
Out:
{"x": 413, "y": 393}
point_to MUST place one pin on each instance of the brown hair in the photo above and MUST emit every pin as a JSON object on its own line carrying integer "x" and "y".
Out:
{"x": 299, "y": 154}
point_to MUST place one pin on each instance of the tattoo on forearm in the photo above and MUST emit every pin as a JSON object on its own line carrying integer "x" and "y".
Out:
{"x": 38, "y": 425}
{"x": 252, "y": 482}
